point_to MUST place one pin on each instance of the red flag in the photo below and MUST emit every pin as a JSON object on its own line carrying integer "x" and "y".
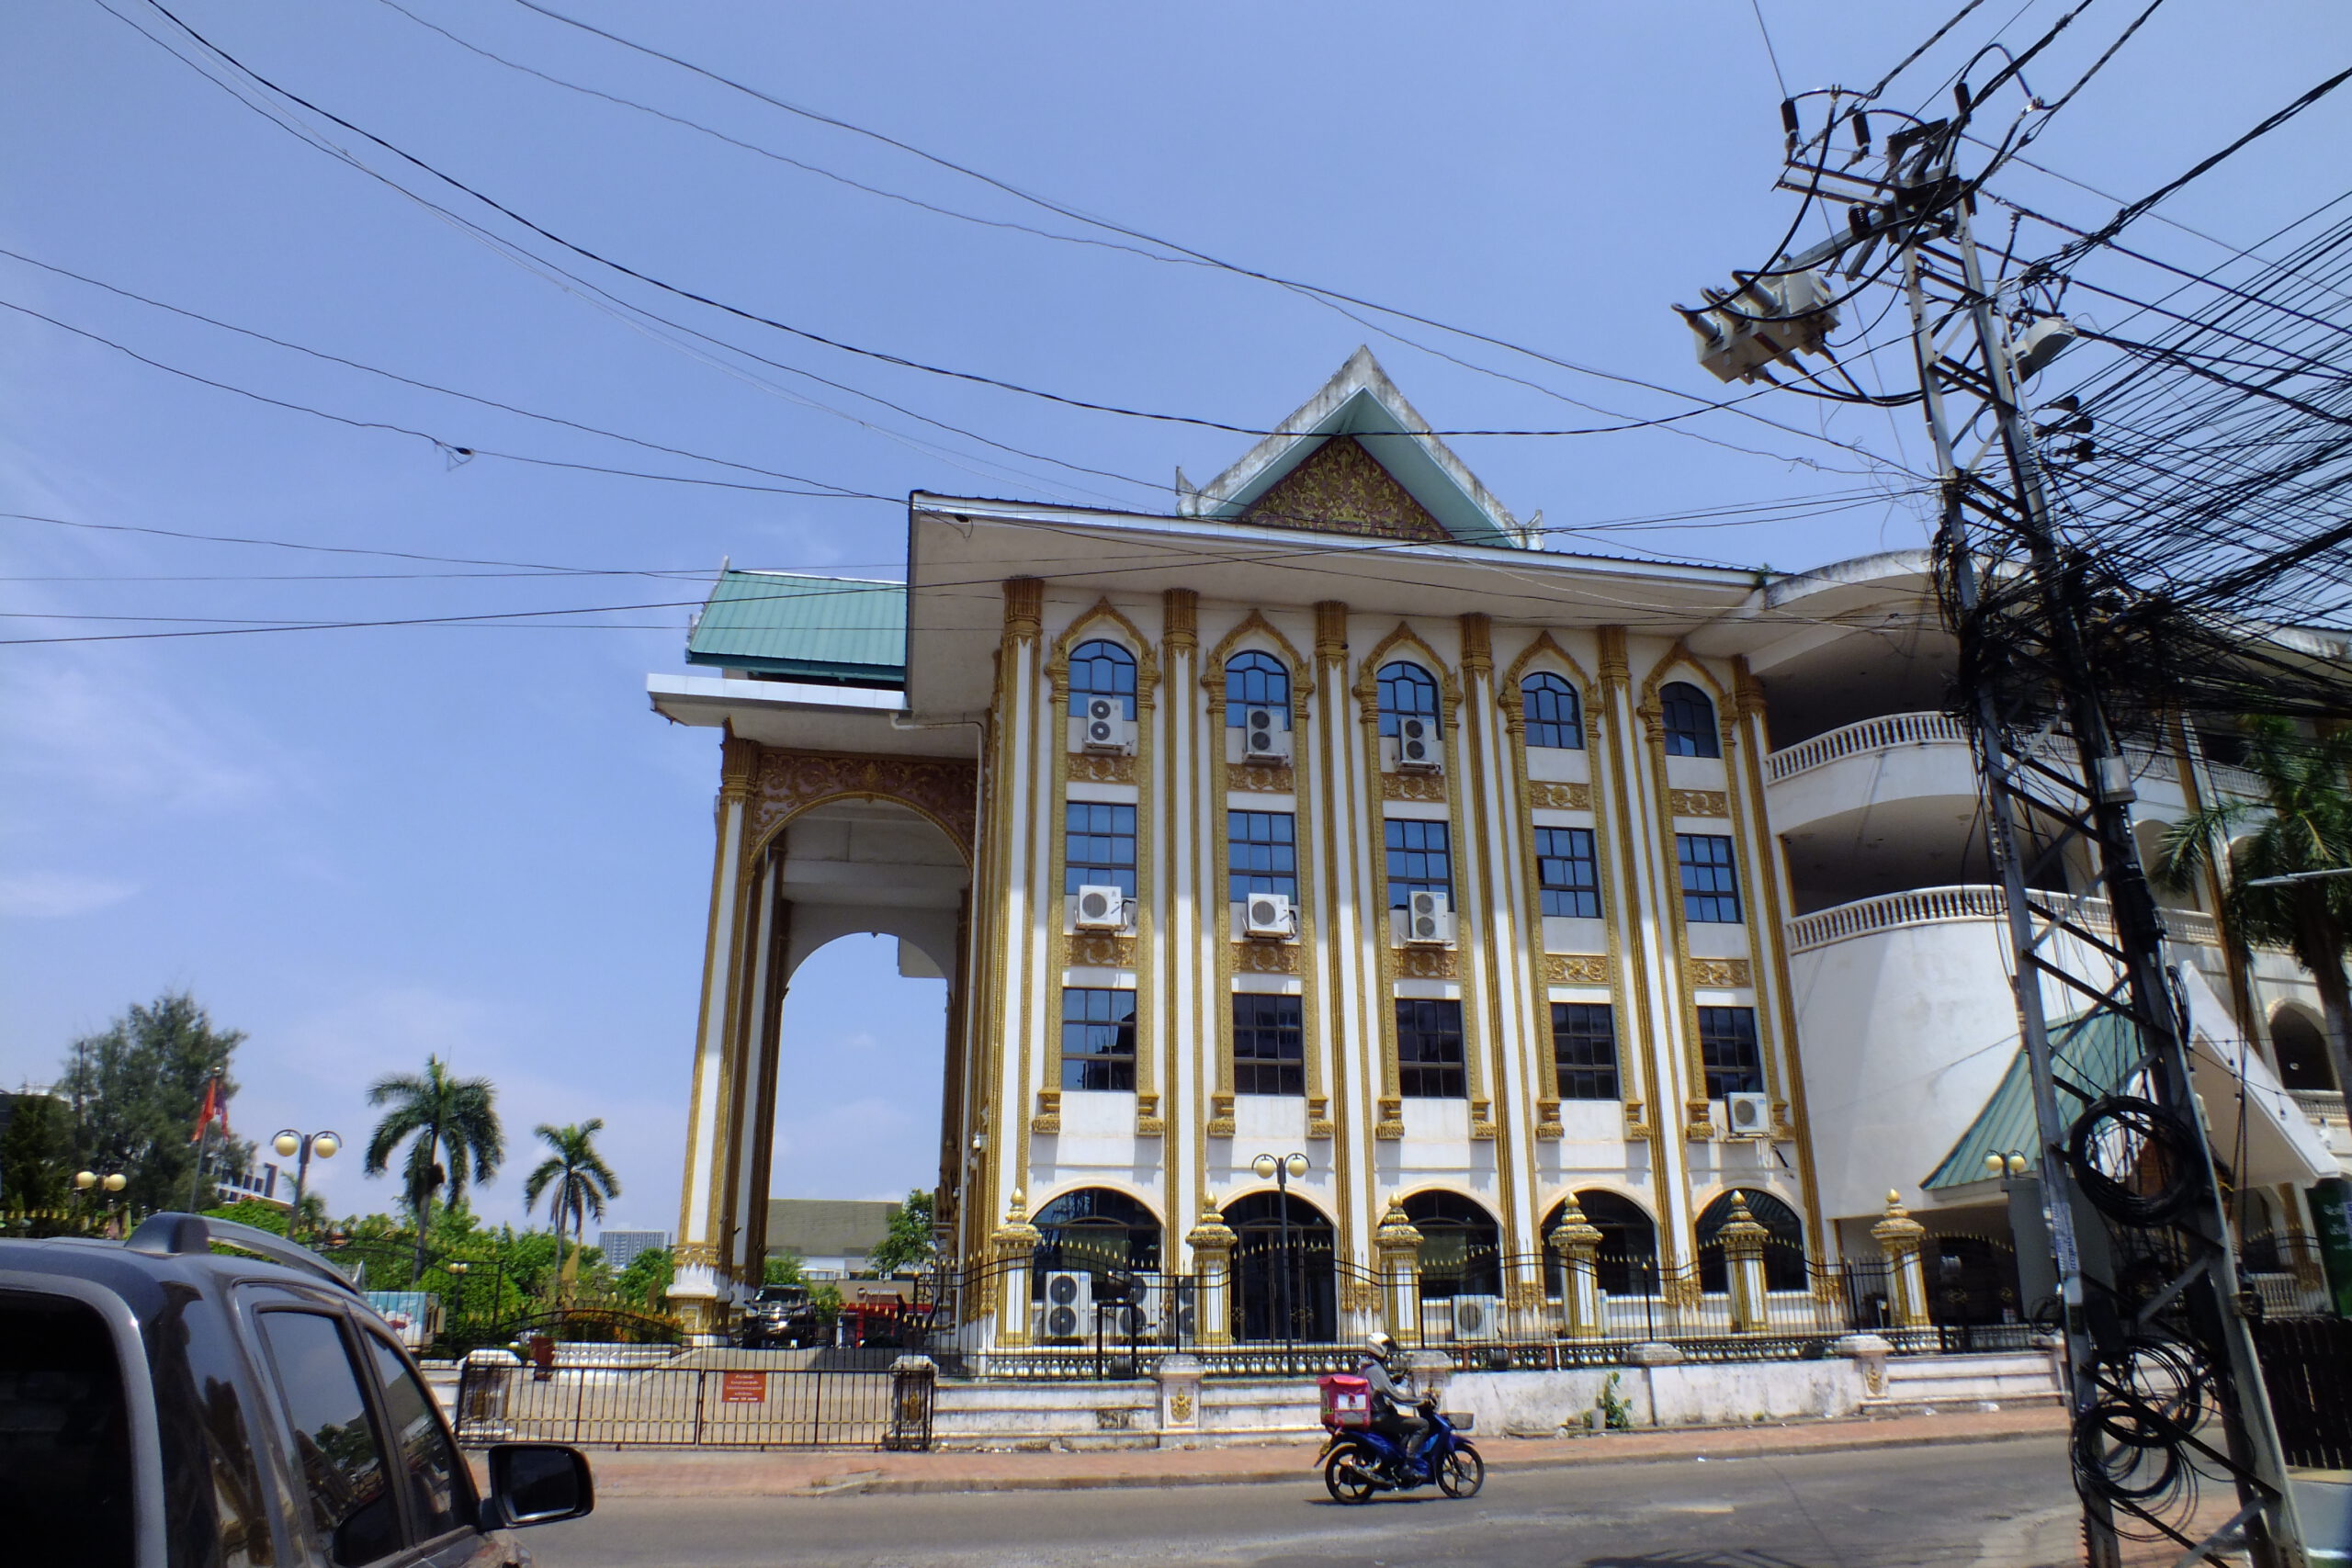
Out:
{"x": 212, "y": 1108}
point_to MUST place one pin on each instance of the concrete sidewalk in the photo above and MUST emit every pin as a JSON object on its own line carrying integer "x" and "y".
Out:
{"x": 704, "y": 1473}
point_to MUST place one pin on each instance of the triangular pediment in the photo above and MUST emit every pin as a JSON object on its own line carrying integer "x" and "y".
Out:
{"x": 1357, "y": 459}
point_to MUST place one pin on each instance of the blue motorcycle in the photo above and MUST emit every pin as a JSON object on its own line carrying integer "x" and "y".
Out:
{"x": 1358, "y": 1462}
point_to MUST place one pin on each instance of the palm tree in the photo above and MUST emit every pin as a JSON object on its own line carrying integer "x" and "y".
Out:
{"x": 441, "y": 1118}
{"x": 2303, "y": 824}
{"x": 578, "y": 1180}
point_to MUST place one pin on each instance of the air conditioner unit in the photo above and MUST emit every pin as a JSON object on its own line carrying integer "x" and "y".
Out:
{"x": 1418, "y": 750}
{"x": 1427, "y": 919}
{"x": 1108, "y": 728}
{"x": 1477, "y": 1317}
{"x": 1269, "y": 915}
{"x": 1101, "y": 908}
{"x": 1068, "y": 1308}
{"x": 1263, "y": 736}
{"x": 1749, "y": 1115}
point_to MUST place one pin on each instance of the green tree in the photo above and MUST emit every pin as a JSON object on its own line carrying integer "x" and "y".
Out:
{"x": 136, "y": 1091}
{"x": 450, "y": 1125}
{"x": 576, "y": 1180}
{"x": 37, "y": 1153}
{"x": 783, "y": 1268}
{"x": 646, "y": 1278}
{"x": 909, "y": 1243}
{"x": 2302, "y": 824}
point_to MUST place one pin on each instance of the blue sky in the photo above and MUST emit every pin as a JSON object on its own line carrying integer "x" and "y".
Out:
{"x": 364, "y": 845}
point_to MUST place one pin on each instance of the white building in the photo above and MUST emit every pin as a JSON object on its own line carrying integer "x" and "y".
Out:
{"x": 1334, "y": 815}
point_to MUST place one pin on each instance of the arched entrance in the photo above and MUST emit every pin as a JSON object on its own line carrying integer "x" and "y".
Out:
{"x": 1461, "y": 1245}
{"x": 2300, "y": 1047}
{"x": 1625, "y": 1260}
{"x": 1785, "y": 1261}
{"x": 1284, "y": 1283}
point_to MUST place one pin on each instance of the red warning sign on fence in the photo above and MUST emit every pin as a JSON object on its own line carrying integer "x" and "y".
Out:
{"x": 743, "y": 1388}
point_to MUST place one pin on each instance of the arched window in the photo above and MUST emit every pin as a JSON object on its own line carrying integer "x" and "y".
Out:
{"x": 2301, "y": 1051}
{"x": 1554, "y": 715}
{"x": 1285, "y": 1272}
{"x": 1626, "y": 1257}
{"x": 1254, "y": 679}
{"x": 1096, "y": 1230}
{"x": 1690, "y": 721}
{"x": 1102, "y": 668}
{"x": 1460, "y": 1247}
{"x": 1407, "y": 690}
{"x": 1784, "y": 1263}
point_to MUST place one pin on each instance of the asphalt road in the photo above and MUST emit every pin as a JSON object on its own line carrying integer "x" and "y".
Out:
{"x": 1999, "y": 1505}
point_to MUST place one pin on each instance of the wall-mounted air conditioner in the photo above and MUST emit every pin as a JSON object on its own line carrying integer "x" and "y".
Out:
{"x": 1269, "y": 915}
{"x": 1101, "y": 908}
{"x": 1068, "y": 1308}
{"x": 1108, "y": 728}
{"x": 1749, "y": 1115}
{"x": 1263, "y": 736}
{"x": 1428, "y": 918}
{"x": 1418, "y": 750}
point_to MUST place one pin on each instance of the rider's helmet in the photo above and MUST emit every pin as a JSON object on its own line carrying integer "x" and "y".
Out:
{"x": 1382, "y": 1347}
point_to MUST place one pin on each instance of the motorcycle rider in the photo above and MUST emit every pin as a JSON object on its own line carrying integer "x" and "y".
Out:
{"x": 1395, "y": 1404}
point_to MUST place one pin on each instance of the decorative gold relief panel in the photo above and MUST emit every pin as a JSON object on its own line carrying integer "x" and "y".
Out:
{"x": 1099, "y": 767}
{"x": 1093, "y": 949}
{"x": 1428, "y": 964}
{"x": 1430, "y": 787}
{"x": 1265, "y": 957}
{"x": 1576, "y": 969}
{"x": 1560, "y": 796}
{"x": 1722, "y": 974}
{"x": 1698, "y": 803}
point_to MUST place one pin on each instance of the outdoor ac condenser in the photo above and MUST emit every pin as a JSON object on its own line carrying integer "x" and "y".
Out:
{"x": 1477, "y": 1317}
{"x": 1101, "y": 908}
{"x": 1428, "y": 920}
{"x": 1108, "y": 728}
{"x": 1263, "y": 736}
{"x": 1749, "y": 1115}
{"x": 1418, "y": 750}
{"x": 1069, "y": 1307}
{"x": 1269, "y": 915}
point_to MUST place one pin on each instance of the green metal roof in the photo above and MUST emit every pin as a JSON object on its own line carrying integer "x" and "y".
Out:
{"x": 846, "y": 630}
{"x": 2098, "y": 1056}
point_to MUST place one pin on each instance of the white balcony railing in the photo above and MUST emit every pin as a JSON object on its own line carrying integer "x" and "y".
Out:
{"x": 1869, "y": 735}
{"x": 1936, "y": 905}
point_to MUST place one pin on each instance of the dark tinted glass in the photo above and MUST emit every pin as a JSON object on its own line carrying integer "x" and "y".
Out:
{"x": 1727, "y": 1050}
{"x": 1420, "y": 860}
{"x": 1098, "y": 846}
{"x": 1568, "y": 873}
{"x": 352, "y": 1511}
{"x": 1098, "y": 1039}
{"x": 1260, "y": 853}
{"x": 1404, "y": 689}
{"x": 1255, "y": 680}
{"x": 66, "y": 1490}
{"x": 1269, "y": 1045}
{"x": 1584, "y": 1050}
{"x": 1429, "y": 1049}
{"x": 1690, "y": 721}
{"x": 1554, "y": 715}
{"x": 1710, "y": 881}
{"x": 436, "y": 1495}
{"x": 1102, "y": 670}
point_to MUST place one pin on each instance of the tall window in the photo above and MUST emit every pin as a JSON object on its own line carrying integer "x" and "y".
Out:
{"x": 1269, "y": 1045}
{"x": 1554, "y": 715}
{"x": 1690, "y": 721}
{"x": 1727, "y": 1050}
{"x": 1568, "y": 876}
{"x": 1710, "y": 880}
{"x": 1407, "y": 690}
{"x": 1254, "y": 679}
{"x": 1098, "y": 846}
{"x": 1420, "y": 860}
{"x": 1584, "y": 1050}
{"x": 1261, "y": 855}
{"x": 1098, "y": 1038}
{"x": 1102, "y": 668}
{"x": 1429, "y": 1049}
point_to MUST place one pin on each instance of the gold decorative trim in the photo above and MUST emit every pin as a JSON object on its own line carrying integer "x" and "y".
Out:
{"x": 1429, "y": 963}
{"x": 1551, "y": 796}
{"x": 1265, "y": 957}
{"x": 1698, "y": 1125}
{"x": 1430, "y": 787}
{"x": 1391, "y": 1124}
{"x": 781, "y": 785}
{"x": 1221, "y": 1115}
{"x": 1523, "y": 1295}
{"x": 1698, "y": 802}
{"x": 1482, "y": 1118}
{"x": 1732, "y": 974}
{"x": 1637, "y": 1120}
{"x": 1048, "y": 1118}
{"x": 1547, "y": 1121}
{"x": 1149, "y": 1122}
{"x": 1358, "y": 1295}
{"x": 1261, "y": 778}
{"x": 1318, "y": 1116}
{"x": 1576, "y": 969}
{"x": 1090, "y": 949}
{"x": 696, "y": 1254}
{"x": 1101, "y": 767}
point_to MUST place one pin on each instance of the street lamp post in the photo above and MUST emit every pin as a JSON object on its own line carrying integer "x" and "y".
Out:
{"x": 1281, "y": 1169}
{"x": 290, "y": 1143}
{"x": 110, "y": 1183}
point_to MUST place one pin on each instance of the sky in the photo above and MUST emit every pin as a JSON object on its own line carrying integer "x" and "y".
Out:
{"x": 366, "y": 845}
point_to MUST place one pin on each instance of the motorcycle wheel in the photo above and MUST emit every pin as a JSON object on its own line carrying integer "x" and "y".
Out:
{"x": 1461, "y": 1473}
{"x": 1346, "y": 1479}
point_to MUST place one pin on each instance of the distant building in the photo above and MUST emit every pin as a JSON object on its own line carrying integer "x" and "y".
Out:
{"x": 254, "y": 1186}
{"x": 621, "y": 1247}
{"x": 833, "y": 1237}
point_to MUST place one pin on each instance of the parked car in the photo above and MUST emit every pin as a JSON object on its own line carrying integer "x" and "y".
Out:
{"x": 165, "y": 1405}
{"x": 779, "y": 1314}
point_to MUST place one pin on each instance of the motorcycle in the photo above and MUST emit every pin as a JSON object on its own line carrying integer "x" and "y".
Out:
{"x": 1358, "y": 1463}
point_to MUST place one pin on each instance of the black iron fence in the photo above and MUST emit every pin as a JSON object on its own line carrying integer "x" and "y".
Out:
{"x": 2307, "y": 1365}
{"x": 724, "y": 1406}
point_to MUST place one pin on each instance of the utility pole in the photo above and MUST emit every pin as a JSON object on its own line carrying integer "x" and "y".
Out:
{"x": 2164, "y": 1388}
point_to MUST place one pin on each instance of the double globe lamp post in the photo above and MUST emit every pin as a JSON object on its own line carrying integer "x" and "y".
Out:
{"x": 112, "y": 1182}
{"x": 1279, "y": 1169}
{"x": 291, "y": 1142}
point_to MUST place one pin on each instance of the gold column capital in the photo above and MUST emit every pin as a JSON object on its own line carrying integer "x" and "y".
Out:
{"x": 1331, "y": 631}
{"x": 1616, "y": 670}
{"x": 1477, "y": 644}
{"x": 1181, "y": 616}
{"x": 1025, "y": 606}
{"x": 738, "y": 765}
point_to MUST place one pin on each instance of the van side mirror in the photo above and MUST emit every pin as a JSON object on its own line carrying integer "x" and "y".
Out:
{"x": 536, "y": 1483}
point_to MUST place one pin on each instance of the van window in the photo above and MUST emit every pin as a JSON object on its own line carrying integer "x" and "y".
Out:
{"x": 65, "y": 1486}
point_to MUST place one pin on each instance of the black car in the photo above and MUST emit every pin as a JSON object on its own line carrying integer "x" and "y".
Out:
{"x": 779, "y": 1314}
{"x": 166, "y": 1405}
